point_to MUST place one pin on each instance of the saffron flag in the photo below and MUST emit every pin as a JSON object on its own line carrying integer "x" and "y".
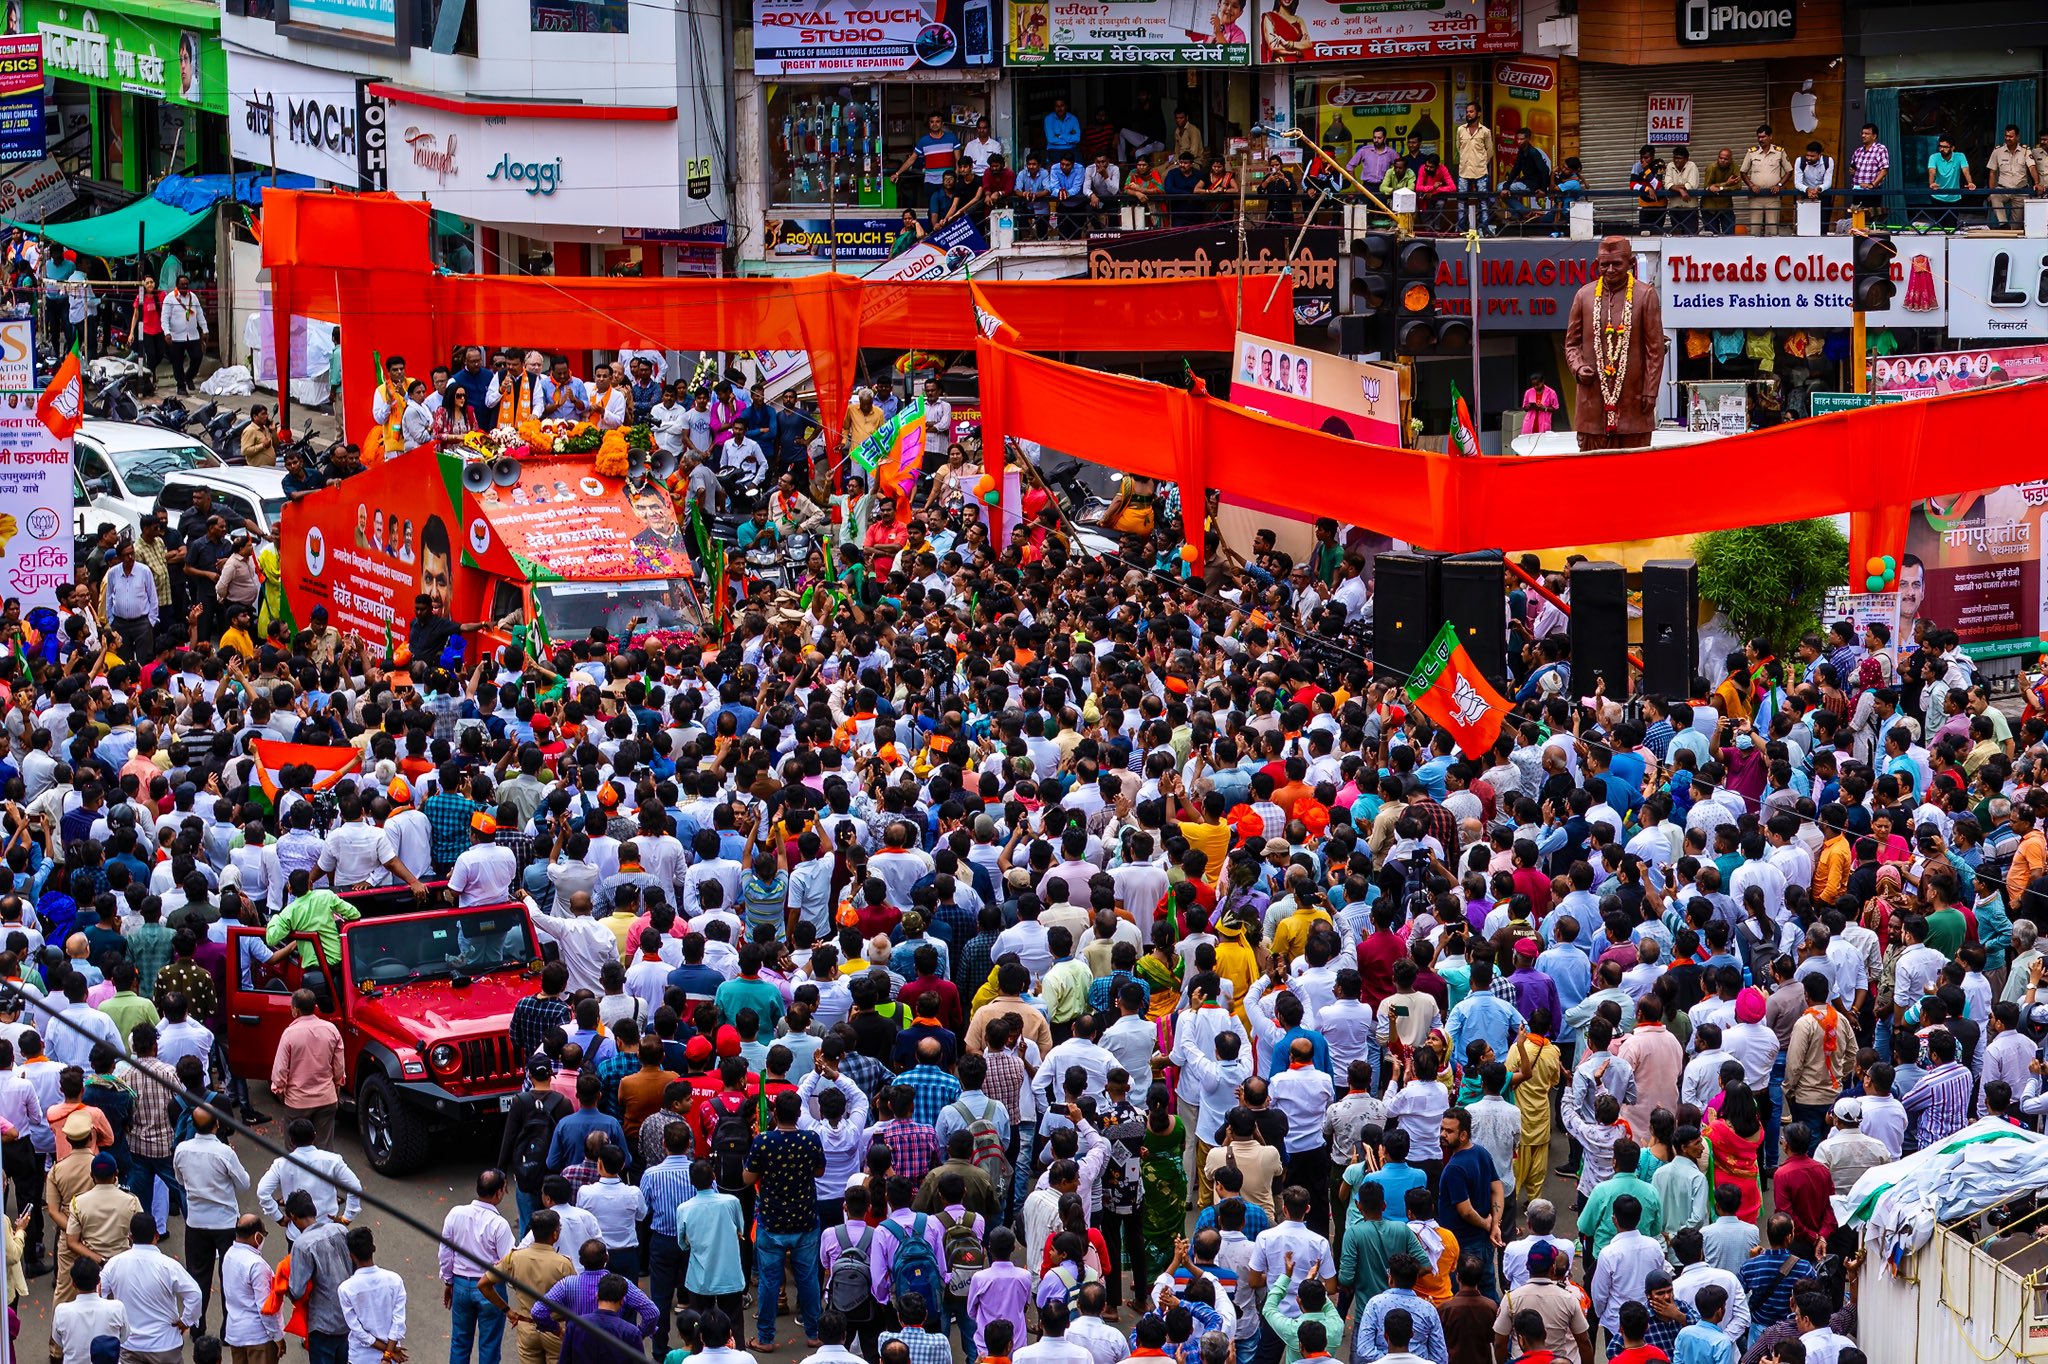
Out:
{"x": 894, "y": 454}
{"x": 987, "y": 321}
{"x": 329, "y": 765}
{"x": 1464, "y": 435}
{"x": 1447, "y": 687}
{"x": 62, "y": 406}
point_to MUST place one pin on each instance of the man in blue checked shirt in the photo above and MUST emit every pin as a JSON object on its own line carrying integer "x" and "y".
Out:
{"x": 932, "y": 1086}
{"x": 1427, "y": 1328}
{"x": 666, "y": 1187}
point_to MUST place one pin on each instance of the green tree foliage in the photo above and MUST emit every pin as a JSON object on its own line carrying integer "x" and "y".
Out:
{"x": 1772, "y": 580}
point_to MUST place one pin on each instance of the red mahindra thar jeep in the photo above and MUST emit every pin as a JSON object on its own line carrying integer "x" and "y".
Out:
{"x": 423, "y": 997}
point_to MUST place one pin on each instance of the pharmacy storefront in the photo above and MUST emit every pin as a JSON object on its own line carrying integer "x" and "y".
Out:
{"x": 147, "y": 77}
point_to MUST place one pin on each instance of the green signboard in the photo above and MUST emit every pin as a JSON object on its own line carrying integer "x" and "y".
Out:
{"x": 1824, "y": 403}
{"x": 167, "y": 49}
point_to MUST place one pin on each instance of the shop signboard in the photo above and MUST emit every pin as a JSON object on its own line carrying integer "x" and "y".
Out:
{"x": 1128, "y": 33}
{"x": 2001, "y": 287}
{"x": 846, "y": 239}
{"x": 1344, "y": 30}
{"x": 1826, "y": 404}
{"x": 1180, "y": 253}
{"x": 1670, "y": 120}
{"x": 1973, "y": 562}
{"x": 540, "y": 171}
{"x": 1524, "y": 285}
{"x": 35, "y": 505}
{"x": 1717, "y": 23}
{"x": 35, "y": 191}
{"x": 1408, "y": 104}
{"x": 834, "y": 38}
{"x": 1764, "y": 282}
{"x": 166, "y": 49}
{"x": 294, "y": 117}
{"x": 1925, "y": 376}
{"x": 21, "y": 99}
{"x": 1524, "y": 100}
{"x": 348, "y": 22}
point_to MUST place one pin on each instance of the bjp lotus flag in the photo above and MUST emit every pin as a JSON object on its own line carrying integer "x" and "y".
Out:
{"x": 987, "y": 321}
{"x": 1464, "y": 436}
{"x": 62, "y": 406}
{"x": 1447, "y": 687}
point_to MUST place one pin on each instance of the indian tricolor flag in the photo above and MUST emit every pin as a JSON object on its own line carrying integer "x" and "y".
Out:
{"x": 894, "y": 454}
{"x": 1448, "y": 688}
{"x": 329, "y": 764}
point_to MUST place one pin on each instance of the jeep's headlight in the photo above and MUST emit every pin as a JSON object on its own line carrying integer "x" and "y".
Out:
{"x": 443, "y": 1059}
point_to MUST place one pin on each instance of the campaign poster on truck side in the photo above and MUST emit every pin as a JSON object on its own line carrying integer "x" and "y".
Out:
{"x": 35, "y": 505}
{"x": 830, "y": 37}
{"x": 369, "y": 555}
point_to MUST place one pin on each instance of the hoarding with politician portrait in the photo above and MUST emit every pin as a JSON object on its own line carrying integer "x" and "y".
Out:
{"x": 1129, "y": 32}
{"x": 1973, "y": 563}
{"x": 35, "y": 505}
{"x": 1927, "y": 376}
{"x": 833, "y": 38}
{"x": 1343, "y": 30}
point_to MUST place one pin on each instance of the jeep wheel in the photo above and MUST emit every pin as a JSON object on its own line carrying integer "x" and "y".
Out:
{"x": 394, "y": 1139}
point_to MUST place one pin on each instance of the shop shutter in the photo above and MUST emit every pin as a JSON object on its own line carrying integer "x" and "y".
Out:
{"x": 1728, "y": 100}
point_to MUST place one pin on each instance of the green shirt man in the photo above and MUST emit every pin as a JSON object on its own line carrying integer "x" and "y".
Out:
{"x": 317, "y": 911}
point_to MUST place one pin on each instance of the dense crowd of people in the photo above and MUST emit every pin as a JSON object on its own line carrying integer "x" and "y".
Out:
{"x": 1028, "y": 955}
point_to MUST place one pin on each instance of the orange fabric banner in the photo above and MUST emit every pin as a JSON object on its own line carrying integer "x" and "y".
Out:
{"x": 363, "y": 260}
{"x": 1819, "y": 467}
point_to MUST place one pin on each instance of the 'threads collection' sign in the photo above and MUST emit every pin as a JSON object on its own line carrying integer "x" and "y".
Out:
{"x": 1793, "y": 282}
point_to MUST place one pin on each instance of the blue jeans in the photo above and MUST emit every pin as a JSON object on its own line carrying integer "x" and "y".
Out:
{"x": 1772, "y": 1114}
{"x": 526, "y": 1202}
{"x": 664, "y": 1272}
{"x": 801, "y": 1250}
{"x": 474, "y": 1320}
{"x": 1020, "y": 1187}
{"x": 322, "y": 1348}
{"x": 144, "y": 1171}
{"x": 1474, "y": 196}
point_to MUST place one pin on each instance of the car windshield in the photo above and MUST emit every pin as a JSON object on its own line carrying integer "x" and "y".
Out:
{"x": 572, "y": 610}
{"x": 470, "y": 942}
{"x": 143, "y": 471}
{"x": 273, "y": 511}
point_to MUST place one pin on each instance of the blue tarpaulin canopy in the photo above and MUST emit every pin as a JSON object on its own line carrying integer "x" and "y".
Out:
{"x": 152, "y": 223}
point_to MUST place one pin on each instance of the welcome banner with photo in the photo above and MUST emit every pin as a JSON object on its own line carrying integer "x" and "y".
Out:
{"x": 1973, "y": 562}
{"x": 35, "y": 505}
{"x": 1318, "y": 390}
{"x": 1925, "y": 376}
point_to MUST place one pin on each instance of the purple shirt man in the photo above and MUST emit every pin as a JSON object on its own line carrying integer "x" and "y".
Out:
{"x": 1533, "y": 989}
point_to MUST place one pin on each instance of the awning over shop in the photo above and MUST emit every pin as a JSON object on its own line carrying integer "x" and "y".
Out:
{"x": 175, "y": 208}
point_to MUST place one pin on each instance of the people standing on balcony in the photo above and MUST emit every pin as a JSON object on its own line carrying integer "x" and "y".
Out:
{"x": 1948, "y": 170}
{"x": 1682, "y": 192}
{"x": 1062, "y": 131}
{"x": 1104, "y": 187}
{"x": 982, "y": 146}
{"x": 2009, "y": 174}
{"x": 1371, "y": 162}
{"x": 1475, "y": 148}
{"x": 1813, "y": 177}
{"x": 1868, "y": 166}
{"x": 1187, "y": 138}
{"x": 1097, "y": 139}
{"x": 1437, "y": 189}
{"x": 1646, "y": 182}
{"x": 1765, "y": 169}
{"x": 1723, "y": 179}
{"x": 1034, "y": 193}
{"x": 937, "y": 152}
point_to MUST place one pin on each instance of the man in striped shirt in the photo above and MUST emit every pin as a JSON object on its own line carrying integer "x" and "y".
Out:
{"x": 1941, "y": 1101}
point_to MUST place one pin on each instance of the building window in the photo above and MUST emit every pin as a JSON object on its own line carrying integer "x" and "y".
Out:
{"x": 428, "y": 16}
{"x": 579, "y": 16}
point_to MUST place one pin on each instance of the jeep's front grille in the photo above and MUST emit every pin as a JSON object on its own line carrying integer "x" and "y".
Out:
{"x": 489, "y": 1058}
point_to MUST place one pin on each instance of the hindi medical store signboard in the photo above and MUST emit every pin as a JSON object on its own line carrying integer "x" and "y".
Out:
{"x": 1760, "y": 282}
{"x": 1344, "y": 30}
{"x": 837, "y": 38}
{"x": 166, "y": 49}
{"x": 1127, "y": 33}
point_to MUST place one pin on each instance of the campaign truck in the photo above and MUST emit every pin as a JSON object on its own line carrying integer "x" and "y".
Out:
{"x": 538, "y": 544}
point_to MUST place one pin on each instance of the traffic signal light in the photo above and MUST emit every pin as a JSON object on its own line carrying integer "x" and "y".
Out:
{"x": 1870, "y": 278}
{"x": 1415, "y": 319}
{"x": 1365, "y": 326}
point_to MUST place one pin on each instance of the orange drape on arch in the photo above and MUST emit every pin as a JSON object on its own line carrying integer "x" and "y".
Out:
{"x": 363, "y": 260}
{"x": 1802, "y": 469}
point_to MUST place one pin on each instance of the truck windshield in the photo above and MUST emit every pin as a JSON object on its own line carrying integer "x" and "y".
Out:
{"x": 573, "y": 610}
{"x": 470, "y": 942}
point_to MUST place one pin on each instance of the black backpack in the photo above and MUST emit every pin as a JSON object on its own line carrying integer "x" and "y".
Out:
{"x": 530, "y": 1147}
{"x": 731, "y": 1139}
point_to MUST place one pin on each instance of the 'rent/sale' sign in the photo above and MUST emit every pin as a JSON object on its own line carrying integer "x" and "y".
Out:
{"x": 1670, "y": 120}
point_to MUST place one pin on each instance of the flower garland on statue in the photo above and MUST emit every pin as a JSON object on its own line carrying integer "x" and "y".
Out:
{"x": 1614, "y": 347}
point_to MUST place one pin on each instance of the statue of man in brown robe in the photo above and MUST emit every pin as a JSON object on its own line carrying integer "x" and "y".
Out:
{"x": 1614, "y": 344}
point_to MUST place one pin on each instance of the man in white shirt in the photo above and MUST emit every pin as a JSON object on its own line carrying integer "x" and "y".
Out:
{"x": 586, "y": 944}
{"x": 484, "y": 872}
{"x": 358, "y": 854}
{"x": 76, "y": 1324}
{"x": 1695, "y": 1273}
{"x": 372, "y": 1303}
{"x": 334, "y": 1188}
{"x": 1623, "y": 1273}
{"x": 1301, "y": 1093}
{"x": 244, "y": 1284}
{"x": 214, "y": 1180}
{"x": 162, "y": 1299}
{"x": 607, "y": 401}
{"x": 1312, "y": 1255}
